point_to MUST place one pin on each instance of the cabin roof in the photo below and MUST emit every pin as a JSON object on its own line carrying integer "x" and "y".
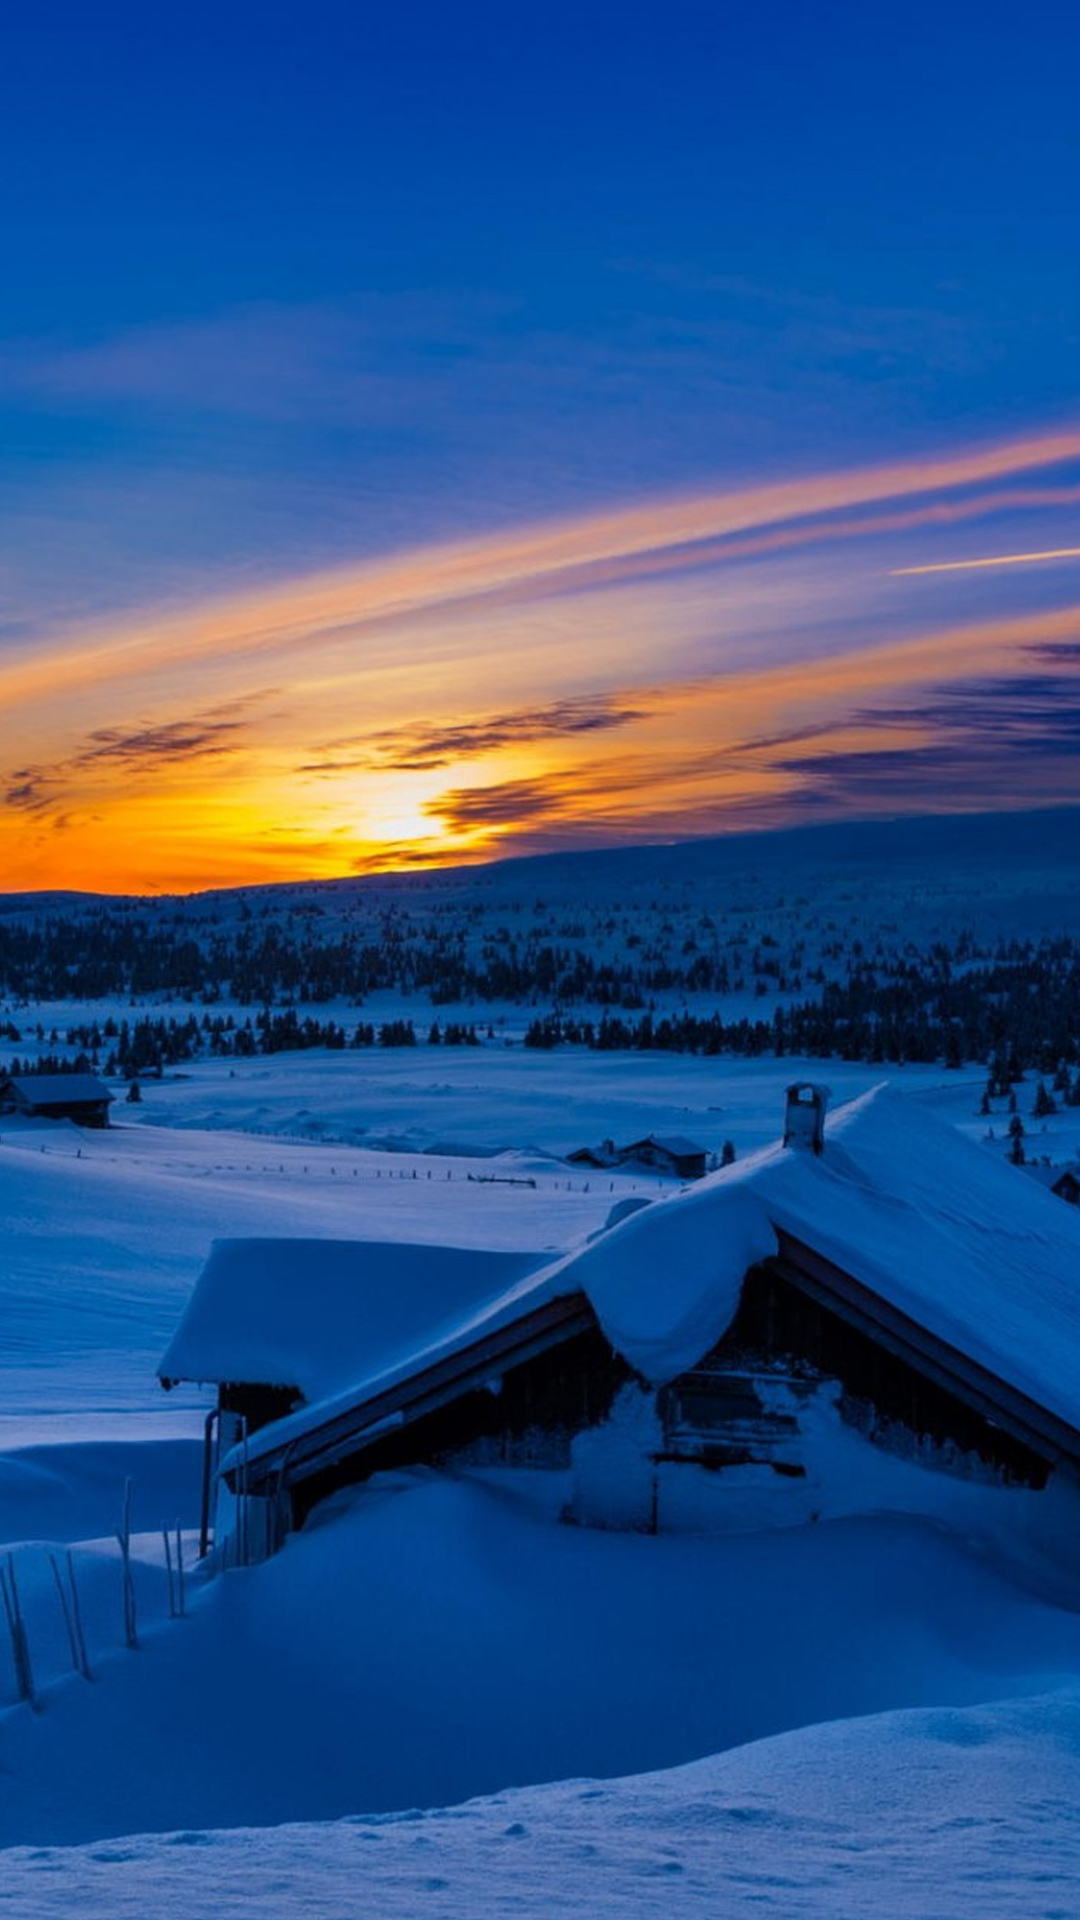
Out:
{"x": 940, "y": 1231}
{"x": 318, "y": 1315}
{"x": 674, "y": 1143}
{"x": 1047, "y": 1176}
{"x": 943, "y": 1230}
{"x": 58, "y": 1089}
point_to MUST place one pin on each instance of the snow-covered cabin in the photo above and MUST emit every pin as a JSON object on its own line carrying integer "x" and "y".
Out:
{"x": 664, "y": 1153}
{"x": 667, "y": 1153}
{"x": 80, "y": 1097}
{"x": 1062, "y": 1181}
{"x": 1067, "y": 1186}
{"x": 903, "y": 1283}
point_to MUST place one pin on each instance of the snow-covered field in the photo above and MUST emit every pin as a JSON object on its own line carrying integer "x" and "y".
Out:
{"x": 892, "y": 1705}
{"x": 941, "y": 1813}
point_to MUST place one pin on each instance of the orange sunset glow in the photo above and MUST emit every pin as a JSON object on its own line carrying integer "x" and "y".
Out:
{"x": 659, "y": 670}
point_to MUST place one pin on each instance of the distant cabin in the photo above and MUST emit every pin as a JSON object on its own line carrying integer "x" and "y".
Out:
{"x": 1067, "y": 1186}
{"x": 604, "y": 1157}
{"x": 80, "y": 1097}
{"x": 668, "y": 1153}
{"x": 1062, "y": 1181}
{"x": 671, "y": 1154}
{"x": 712, "y": 1354}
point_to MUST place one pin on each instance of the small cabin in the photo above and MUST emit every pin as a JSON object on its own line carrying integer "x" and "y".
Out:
{"x": 1062, "y": 1181}
{"x": 80, "y": 1097}
{"x": 1067, "y": 1186}
{"x": 669, "y": 1154}
{"x": 604, "y": 1157}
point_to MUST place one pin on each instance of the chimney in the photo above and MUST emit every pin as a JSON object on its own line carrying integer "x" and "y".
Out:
{"x": 804, "y": 1116}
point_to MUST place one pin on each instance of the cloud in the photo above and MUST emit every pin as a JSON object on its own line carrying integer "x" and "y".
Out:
{"x": 173, "y": 741}
{"x": 991, "y": 560}
{"x": 724, "y": 692}
{"x": 29, "y": 791}
{"x": 1040, "y": 713}
{"x": 566, "y": 810}
{"x": 364, "y": 363}
{"x": 941, "y": 778}
{"x": 991, "y": 741}
{"x": 509, "y": 803}
{"x": 981, "y": 740}
{"x": 510, "y": 569}
{"x": 427, "y": 744}
{"x": 1055, "y": 650}
{"x": 132, "y": 750}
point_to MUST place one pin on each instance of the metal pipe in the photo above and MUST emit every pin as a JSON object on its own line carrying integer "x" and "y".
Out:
{"x": 212, "y": 1419}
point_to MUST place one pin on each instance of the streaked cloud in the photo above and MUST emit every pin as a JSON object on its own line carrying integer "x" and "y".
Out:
{"x": 176, "y": 740}
{"x": 991, "y": 560}
{"x": 456, "y": 576}
{"x": 130, "y": 751}
{"x": 425, "y": 744}
{"x": 737, "y": 657}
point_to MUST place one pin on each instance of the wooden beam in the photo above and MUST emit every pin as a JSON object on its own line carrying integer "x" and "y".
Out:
{"x": 986, "y": 1393}
{"x": 371, "y": 1418}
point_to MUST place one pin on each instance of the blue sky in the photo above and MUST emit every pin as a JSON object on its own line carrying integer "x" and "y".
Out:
{"x": 286, "y": 291}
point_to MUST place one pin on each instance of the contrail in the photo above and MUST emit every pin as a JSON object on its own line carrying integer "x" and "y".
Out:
{"x": 996, "y": 560}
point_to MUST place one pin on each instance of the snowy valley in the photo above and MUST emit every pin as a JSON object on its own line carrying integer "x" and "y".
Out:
{"x": 450, "y": 1692}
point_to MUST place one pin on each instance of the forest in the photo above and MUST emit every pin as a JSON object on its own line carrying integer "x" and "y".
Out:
{"x": 661, "y": 975}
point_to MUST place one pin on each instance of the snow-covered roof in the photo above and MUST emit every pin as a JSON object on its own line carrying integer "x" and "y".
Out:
{"x": 57, "y": 1089}
{"x": 936, "y": 1227}
{"x": 943, "y": 1230}
{"x": 676, "y": 1144}
{"x": 1045, "y": 1175}
{"x": 319, "y": 1315}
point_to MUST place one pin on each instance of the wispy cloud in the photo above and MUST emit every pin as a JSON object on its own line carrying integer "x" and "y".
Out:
{"x": 133, "y": 751}
{"x": 146, "y": 747}
{"x": 648, "y": 671}
{"x": 425, "y": 744}
{"x": 369, "y": 363}
{"x": 991, "y": 560}
{"x": 29, "y": 791}
{"x": 455, "y": 576}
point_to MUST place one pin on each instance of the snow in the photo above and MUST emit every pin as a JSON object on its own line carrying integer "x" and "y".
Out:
{"x": 922, "y": 1814}
{"x": 936, "y": 1227}
{"x": 495, "y": 1098}
{"x": 105, "y": 1234}
{"x": 315, "y": 1314}
{"x": 665, "y": 1284}
{"x": 432, "y": 1638}
{"x": 942, "y": 1230}
{"x": 69, "y": 1491}
{"x": 58, "y": 1088}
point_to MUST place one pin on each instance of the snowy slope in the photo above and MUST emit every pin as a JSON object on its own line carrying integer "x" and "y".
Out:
{"x": 436, "y": 1639}
{"x": 105, "y": 1234}
{"x": 430, "y": 1639}
{"x": 927, "y": 1814}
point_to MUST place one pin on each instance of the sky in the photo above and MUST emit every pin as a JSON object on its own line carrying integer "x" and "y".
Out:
{"x": 467, "y": 432}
